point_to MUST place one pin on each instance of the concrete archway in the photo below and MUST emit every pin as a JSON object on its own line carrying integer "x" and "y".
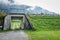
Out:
{"x": 25, "y": 22}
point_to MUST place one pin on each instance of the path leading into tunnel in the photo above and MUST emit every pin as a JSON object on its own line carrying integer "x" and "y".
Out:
{"x": 14, "y": 35}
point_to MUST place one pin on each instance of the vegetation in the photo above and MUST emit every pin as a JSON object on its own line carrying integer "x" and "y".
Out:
{"x": 47, "y": 27}
{"x": 2, "y": 15}
{"x": 44, "y": 35}
{"x": 15, "y": 24}
{"x": 45, "y": 22}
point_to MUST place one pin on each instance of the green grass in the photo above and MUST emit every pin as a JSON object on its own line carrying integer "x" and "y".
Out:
{"x": 45, "y": 22}
{"x": 15, "y": 24}
{"x": 47, "y": 27}
{"x": 44, "y": 35}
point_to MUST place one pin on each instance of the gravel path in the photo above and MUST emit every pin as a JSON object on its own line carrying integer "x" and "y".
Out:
{"x": 13, "y": 35}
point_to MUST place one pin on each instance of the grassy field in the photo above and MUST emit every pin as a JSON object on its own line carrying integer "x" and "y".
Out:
{"x": 47, "y": 27}
{"x": 44, "y": 35}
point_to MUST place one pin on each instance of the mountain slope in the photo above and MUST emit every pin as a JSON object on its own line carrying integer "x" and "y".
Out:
{"x": 12, "y": 8}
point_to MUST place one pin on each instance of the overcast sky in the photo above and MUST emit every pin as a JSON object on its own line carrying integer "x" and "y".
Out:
{"x": 51, "y": 5}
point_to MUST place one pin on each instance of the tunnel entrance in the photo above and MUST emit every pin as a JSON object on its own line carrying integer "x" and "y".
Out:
{"x": 16, "y": 22}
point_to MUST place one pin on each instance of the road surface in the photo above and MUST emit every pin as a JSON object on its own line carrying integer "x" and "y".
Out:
{"x": 14, "y": 35}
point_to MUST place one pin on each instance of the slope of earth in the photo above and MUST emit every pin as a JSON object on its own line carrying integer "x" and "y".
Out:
{"x": 47, "y": 27}
{"x": 45, "y": 22}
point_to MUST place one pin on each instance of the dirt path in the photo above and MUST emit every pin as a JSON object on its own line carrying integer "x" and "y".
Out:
{"x": 14, "y": 35}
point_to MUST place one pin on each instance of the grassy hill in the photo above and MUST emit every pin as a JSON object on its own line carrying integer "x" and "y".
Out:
{"x": 47, "y": 27}
{"x": 45, "y": 22}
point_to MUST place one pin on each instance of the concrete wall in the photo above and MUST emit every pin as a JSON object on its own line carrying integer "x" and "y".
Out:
{"x": 7, "y": 22}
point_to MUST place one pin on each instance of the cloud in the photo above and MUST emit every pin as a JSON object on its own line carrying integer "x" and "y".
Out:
{"x": 6, "y": 1}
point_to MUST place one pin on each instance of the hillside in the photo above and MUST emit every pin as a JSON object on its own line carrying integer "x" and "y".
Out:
{"x": 45, "y": 22}
{"x": 47, "y": 27}
{"x": 13, "y": 8}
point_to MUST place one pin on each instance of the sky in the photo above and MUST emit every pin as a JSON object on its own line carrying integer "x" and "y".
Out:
{"x": 51, "y": 5}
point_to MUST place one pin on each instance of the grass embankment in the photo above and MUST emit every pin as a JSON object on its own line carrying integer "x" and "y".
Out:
{"x": 47, "y": 27}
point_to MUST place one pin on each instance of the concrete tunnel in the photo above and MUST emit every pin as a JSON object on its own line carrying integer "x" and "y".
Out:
{"x": 16, "y": 17}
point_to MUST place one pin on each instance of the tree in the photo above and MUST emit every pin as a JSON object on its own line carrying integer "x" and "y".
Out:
{"x": 2, "y": 14}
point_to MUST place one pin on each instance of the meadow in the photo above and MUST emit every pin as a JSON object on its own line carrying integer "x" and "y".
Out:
{"x": 47, "y": 27}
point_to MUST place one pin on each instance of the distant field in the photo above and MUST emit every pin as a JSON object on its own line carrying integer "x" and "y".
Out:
{"x": 47, "y": 27}
{"x": 15, "y": 24}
